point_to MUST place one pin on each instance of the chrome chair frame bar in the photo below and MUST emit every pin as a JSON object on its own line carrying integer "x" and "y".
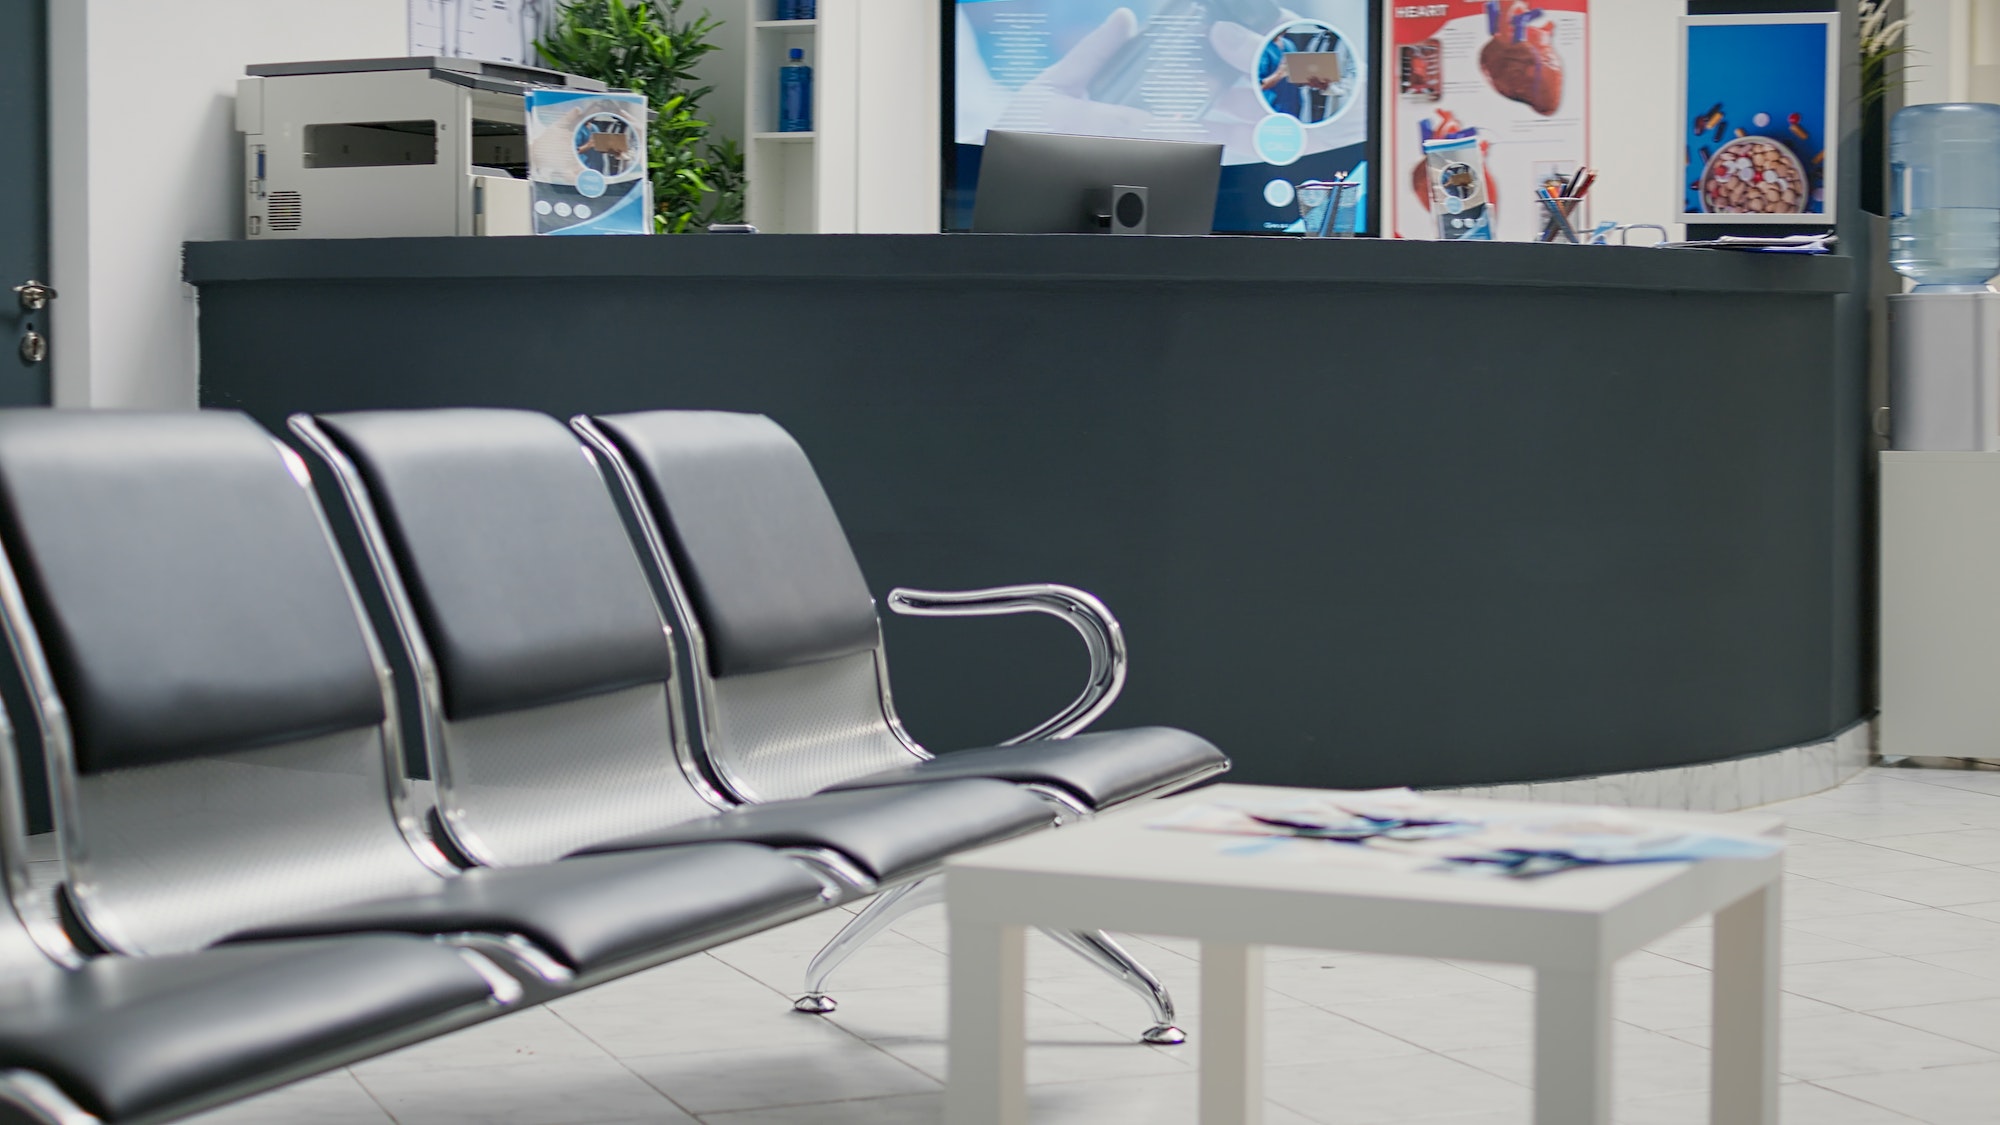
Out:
{"x": 360, "y": 504}
{"x": 1104, "y": 641}
{"x": 840, "y": 878}
{"x": 99, "y": 921}
{"x": 631, "y": 497}
{"x": 33, "y": 1095}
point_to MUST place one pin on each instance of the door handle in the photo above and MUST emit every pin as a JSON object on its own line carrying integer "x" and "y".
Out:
{"x": 35, "y": 295}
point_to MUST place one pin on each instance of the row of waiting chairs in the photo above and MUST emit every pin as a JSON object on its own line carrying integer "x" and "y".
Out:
{"x": 252, "y": 891}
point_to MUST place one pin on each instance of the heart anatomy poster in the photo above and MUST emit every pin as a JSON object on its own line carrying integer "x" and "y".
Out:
{"x": 1508, "y": 82}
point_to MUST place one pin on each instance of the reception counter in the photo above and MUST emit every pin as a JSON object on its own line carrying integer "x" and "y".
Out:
{"x": 1372, "y": 513}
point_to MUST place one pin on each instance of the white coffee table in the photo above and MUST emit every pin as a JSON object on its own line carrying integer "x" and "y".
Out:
{"x": 1116, "y": 873}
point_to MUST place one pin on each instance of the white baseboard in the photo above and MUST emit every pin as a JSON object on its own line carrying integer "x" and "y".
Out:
{"x": 1738, "y": 783}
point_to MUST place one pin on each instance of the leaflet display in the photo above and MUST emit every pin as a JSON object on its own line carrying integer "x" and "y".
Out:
{"x": 1287, "y": 90}
{"x": 587, "y": 163}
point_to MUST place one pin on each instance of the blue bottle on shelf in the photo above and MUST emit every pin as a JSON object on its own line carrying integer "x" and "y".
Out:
{"x": 786, "y": 10}
{"x": 804, "y": 9}
{"x": 795, "y": 96}
{"x": 1944, "y": 211}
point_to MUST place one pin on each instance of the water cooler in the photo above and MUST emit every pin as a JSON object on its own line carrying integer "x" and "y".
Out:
{"x": 1940, "y": 482}
{"x": 1944, "y": 336}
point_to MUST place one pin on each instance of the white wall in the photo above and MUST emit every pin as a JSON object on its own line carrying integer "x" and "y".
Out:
{"x": 723, "y": 69}
{"x": 1634, "y": 57}
{"x": 144, "y": 156}
{"x": 1954, "y": 51}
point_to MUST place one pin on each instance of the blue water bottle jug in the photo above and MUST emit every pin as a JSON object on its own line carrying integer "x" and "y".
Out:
{"x": 795, "y": 99}
{"x": 1944, "y": 195}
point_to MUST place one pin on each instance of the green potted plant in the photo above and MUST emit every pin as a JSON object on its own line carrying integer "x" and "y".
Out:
{"x": 1884, "y": 66}
{"x": 645, "y": 46}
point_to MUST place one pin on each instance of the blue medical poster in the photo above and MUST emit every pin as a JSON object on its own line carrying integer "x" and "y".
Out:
{"x": 1285, "y": 89}
{"x": 1757, "y": 112}
{"x": 587, "y": 163}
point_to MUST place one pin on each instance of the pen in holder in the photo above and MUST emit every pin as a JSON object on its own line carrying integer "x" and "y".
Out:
{"x": 1330, "y": 209}
{"x": 1557, "y": 213}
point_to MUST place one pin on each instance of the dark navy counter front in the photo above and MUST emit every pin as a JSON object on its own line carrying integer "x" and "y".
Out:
{"x": 1371, "y": 512}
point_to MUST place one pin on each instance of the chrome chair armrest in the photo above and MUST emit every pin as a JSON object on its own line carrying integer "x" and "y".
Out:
{"x": 1084, "y": 613}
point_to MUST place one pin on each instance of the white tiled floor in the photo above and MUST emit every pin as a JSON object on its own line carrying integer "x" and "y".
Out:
{"x": 1892, "y": 1015}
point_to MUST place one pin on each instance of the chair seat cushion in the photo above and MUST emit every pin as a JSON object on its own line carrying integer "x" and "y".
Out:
{"x": 596, "y": 913}
{"x": 1101, "y": 769}
{"x": 890, "y": 833}
{"x": 129, "y": 1036}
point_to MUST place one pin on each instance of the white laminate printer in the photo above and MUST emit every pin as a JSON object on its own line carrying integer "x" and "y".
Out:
{"x": 373, "y": 148}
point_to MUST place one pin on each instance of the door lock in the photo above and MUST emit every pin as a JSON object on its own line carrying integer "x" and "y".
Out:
{"x": 35, "y": 295}
{"x": 34, "y": 347}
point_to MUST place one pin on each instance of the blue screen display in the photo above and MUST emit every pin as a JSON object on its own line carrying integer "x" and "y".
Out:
{"x": 1214, "y": 71}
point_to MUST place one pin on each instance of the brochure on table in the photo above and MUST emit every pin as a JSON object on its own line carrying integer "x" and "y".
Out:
{"x": 587, "y": 163}
{"x": 1757, "y": 106}
{"x": 1510, "y": 78}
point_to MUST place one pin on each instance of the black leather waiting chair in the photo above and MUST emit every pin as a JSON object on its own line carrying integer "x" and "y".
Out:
{"x": 790, "y": 682}
{"x": 222, "y": 735}
{"x": 129, "y": 1039}
{"x": 544, "y": 666}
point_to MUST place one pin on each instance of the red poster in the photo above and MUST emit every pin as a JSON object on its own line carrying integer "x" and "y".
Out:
{"x": 1509, "y": 82}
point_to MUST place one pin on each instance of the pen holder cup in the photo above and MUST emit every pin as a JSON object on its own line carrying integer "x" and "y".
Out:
{"x": 1560, "y": 216}
{"x": 1330, "y": 210}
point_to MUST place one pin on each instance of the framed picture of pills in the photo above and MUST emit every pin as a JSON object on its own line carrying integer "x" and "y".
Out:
{"x": 1757, "y": 113}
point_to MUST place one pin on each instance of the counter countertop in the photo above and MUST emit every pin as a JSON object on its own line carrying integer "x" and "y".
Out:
{"x": 1004, "y": 258}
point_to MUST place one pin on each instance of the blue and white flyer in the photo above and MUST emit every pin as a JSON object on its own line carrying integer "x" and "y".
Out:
{"x": 587, "y": 163}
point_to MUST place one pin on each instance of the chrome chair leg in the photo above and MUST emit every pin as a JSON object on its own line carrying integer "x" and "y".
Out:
{"x": 873, "y": 919}
{"x": 1096, "y": 947}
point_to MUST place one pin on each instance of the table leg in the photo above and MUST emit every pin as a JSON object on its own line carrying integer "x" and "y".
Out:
{"x": 1573, "y": 1046}
{"x": 1232, "y": 1034}
{"x": 986, "y": 1053}
{"x": 1743, "y": 1083}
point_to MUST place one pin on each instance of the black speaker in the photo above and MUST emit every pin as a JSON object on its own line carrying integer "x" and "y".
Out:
{"x": 1120, "y": 210}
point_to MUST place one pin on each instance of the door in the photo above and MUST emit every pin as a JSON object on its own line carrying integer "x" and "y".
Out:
{"x": 24, "y": 311}
{"x": 24, "y": 204}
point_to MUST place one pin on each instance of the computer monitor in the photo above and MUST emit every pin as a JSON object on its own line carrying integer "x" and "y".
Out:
{"x": 1056, "y": 183}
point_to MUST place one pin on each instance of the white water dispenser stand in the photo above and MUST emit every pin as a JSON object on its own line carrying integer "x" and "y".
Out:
{"x": 1940, "y": 512}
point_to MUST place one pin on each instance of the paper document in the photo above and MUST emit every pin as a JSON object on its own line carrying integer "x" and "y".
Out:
{"x": 494, "y": 30}
{"x": 1342, "y": 827}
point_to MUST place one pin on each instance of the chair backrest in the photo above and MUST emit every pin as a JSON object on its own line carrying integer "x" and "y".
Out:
{"x": 790, "y": 686}
{"x": 214, "y": 711}
{"x": 544, "y": 665}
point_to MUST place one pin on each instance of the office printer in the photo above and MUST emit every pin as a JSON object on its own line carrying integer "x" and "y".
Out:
{"x": 372, "y": 148}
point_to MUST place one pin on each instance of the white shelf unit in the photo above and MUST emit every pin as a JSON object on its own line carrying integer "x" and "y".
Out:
{"x": 871, "y": 163}
{"x": 784, "y": 169}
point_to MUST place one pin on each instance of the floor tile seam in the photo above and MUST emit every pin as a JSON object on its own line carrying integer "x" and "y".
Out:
{"x": 1090, "y": 1019}
{"x": 1882, "y": 1014}
{"x": 750, "y": 976}
{"x": 723, "y": 1113}
{"x": 1509, "y": 1079}
{"x": 1915, "y": 1120}
{"x": 1954, "y": 825}
{"x": 370, "y": 1095}
{"x": 1900, "y": 898}
{"x": 620, "y": 1059}
{"x": 875, "y": 1047}
{"x": 1433, "y": 1118}
{"x": 1429, "y": 1050}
